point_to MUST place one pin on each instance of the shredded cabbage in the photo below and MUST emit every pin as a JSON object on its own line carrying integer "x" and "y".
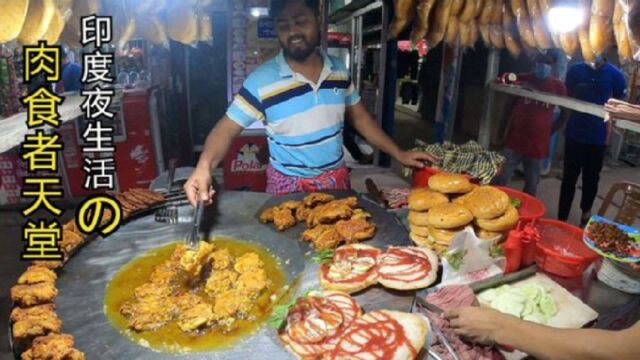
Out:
{"x": 530, "y": 302}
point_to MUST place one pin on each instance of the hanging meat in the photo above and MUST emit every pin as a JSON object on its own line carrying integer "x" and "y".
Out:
{"x": 452, "y": 30}
{"x": 583, "y": 33}
{"x": 622, "y": 36}
{"x": 440, "y": 21}
{"x": 12, "y": 16}
{"x": 484, "y": 33}
{"x": 421, "y": 23}
{"x": 545, "y": 7}
{"x": 510, "y": 29}
{"x": 633, "y": 19}
{"x": 456, "y": 7}
{"x": 519, "y": 9}
{"x": 464, "y": 32}
{"x": 469, "y": 10}
{"x": 405, "y": 13}
{"x": 543, "y": 39}
{"x": 38, "y": 20}
{"x": 487, "y": 11}
{"x": 601, "y": 26}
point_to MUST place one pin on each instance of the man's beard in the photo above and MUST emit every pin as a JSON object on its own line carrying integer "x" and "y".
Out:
{"x": 299, "y": 54}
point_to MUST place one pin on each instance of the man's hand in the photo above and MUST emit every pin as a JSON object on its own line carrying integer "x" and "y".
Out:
{"x": 477, "y": 324}
{"x": 416, "y": 159}
{"x": 199, "y": 183}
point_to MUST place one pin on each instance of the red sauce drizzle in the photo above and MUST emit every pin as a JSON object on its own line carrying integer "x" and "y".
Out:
{"x": 419, "y": 265}
{"x": 345, "y": 253}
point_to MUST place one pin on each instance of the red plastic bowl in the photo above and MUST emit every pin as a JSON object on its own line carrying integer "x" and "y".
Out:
{"x": 421, "y": 177}
{"x": 561, "y": 250}
{"x": 530, "y": 207}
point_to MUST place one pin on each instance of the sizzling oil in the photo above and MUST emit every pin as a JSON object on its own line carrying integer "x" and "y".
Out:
{"x": 170, "y": 338}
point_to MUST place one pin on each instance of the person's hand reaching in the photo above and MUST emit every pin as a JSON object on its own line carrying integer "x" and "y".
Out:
{"x": 199, "y": 183}
{"x": 416, "y": 159}
{"x": 477, "y": 324}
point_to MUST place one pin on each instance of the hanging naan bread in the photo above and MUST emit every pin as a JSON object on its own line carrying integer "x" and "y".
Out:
{"x": 525, "y": 29}
{"x": 38, "y": 19}
{"x": 80, "y": 8}
{"x": 405, "y": 12}
{"x": 542, "y": 37}
{"x": 452, "y": 30}
{"x": 601, "y": 26}
{"x": 583, "y": 33}
{"x": 545, "y": 7}
{"x": 421, "y": 23}
{"x": 496, "y": 33}
{"x": 182, "y": 23}
{"x": 55, "y": 27}
{"x": 440, "y": 22}
{"x": 12, "y": 16}
{"x": 151, "y": 28}
{"x": 510, "y": 33}
{"x": 622, "y": 35}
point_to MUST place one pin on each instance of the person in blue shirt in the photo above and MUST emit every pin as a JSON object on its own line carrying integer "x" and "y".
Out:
{"x": 71, "y": 74}
{"x": 586, "y": 135}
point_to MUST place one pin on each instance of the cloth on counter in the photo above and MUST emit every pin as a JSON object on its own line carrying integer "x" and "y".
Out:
{"x": 449, "y": 298}
{"x": 281, "y": 184}
{"x": 469, "y": 158}
{"x": 396, "y": 198}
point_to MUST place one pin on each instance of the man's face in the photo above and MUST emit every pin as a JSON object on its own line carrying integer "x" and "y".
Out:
{"x": 298, "y": 30}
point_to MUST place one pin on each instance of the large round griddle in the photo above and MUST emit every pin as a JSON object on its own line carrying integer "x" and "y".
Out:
{"x": 82, "y": 282}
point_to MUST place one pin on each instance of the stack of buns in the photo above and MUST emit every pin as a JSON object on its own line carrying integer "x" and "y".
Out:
{"x": 450, "y": 203}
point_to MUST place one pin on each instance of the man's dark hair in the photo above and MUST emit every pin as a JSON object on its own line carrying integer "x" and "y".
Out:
{"x": 278, "y": 5}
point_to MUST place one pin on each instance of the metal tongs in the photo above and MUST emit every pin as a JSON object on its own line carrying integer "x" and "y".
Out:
{"x": 437, "y": 310}
{"x": 193, "y": 238}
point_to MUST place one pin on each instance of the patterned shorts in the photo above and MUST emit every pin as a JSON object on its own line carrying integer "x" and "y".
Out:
{"x": 281, "y": 184}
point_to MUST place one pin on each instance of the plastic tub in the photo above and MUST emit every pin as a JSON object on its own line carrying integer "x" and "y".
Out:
{"x": 561, "y": 250}
{"x": 421, "y": 177}
{"x": 530, "y": 207}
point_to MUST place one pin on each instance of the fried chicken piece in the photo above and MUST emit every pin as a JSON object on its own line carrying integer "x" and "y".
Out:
{"x": 329, "y": 213}
{"x": 70, "y": 241}
{"x": 37, "y": 274}
{"x": 35, "y": 321}
{"x": 221, "y": 259}
{"x": 360, "y": 214}
{"x": 229, "y": 303}
{"x": 355, "y": 230}
{"x": 220, "y": 281}
{"x": 149, "y": 314}
{"x": 72, "y": 226}
{"x": 314, "y": 199}
{"x": 195, "y": 317}
{"x": 283, "y": 218}
{"x": 53, "y": 347}
{"x": 312, "y": 234}
{"x": 329, "y": 239}
{"x": 252, "y": 283}
{"x": 248, "y": 262}
{"x": 149, "y": 290}
{"x": 193, "y": 261}
{"x": 36, "y": 294}
{"x": 50, "y": 264}
{"x": 291, "y": 205}
{"x": 267, "y": 215}
{"x": 302, "y": 213}
{"x": 165, "y": 274}
{"x": 106, "y": 216}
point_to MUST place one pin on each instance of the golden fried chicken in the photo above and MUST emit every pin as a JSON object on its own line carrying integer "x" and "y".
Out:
{"x": 291, "y": 205}
{"x": 350, "y": 201}
{"x": 329, "y": 213}
{"x": 229, "y": 303}
{"x": 360, "y": 214}
{"x": 70, "y": 241}
{"x": 36, "y": 294}
{"x": 149, "y": 314}
{"x": 53, "y": 347}
{"x": 323, "y": 237}
{"x": 221, "y": 259}
{"x": 35, "y": 321}
{"x": 248, "y": 262}
{"x": 302, "y": 213}
{"x": 220, "y": 281}
{"x": 49, "y": 264}
{"x": 149, "y": 290}
{"x": 314, "y": 199}
{"x": 252, "y": 283}
{"x": 37, "y": 274}
{"x": 355, "y": 230}
{"x": 267, "y": 215}
{"x": 72, "y": 226}
{"x": 195, "y": 317}
{"x": 193, "y": 261}
{"x": 283, "y": 218}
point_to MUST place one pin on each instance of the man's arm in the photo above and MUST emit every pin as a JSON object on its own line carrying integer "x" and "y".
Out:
{"x": 544, "y": 342}
{"x": 215, "y": 148}
{"x": 364, "y": 123}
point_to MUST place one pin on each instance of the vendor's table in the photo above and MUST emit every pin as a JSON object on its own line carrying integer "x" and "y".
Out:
{"x": 83, "y": 280}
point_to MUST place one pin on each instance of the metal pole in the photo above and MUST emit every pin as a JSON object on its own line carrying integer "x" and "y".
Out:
{"x": 382, "y": 76}
{"x": 493, "y": 66}
{"x": 456, "y": 92}
{"x": 441, "y": 88}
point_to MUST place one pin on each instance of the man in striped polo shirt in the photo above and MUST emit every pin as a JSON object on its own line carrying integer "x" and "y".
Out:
{"x": 301, "y": 96}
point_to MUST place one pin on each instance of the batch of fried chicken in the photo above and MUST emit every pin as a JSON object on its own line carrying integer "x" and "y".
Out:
{"x": 330, "y": 221}
{"x": 451, "y": 203}
{"x": 521, "y": 25}
{"x": 35, "y": 326}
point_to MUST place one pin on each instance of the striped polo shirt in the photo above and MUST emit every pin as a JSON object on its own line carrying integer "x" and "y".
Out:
{"x": 303, "y": 120}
